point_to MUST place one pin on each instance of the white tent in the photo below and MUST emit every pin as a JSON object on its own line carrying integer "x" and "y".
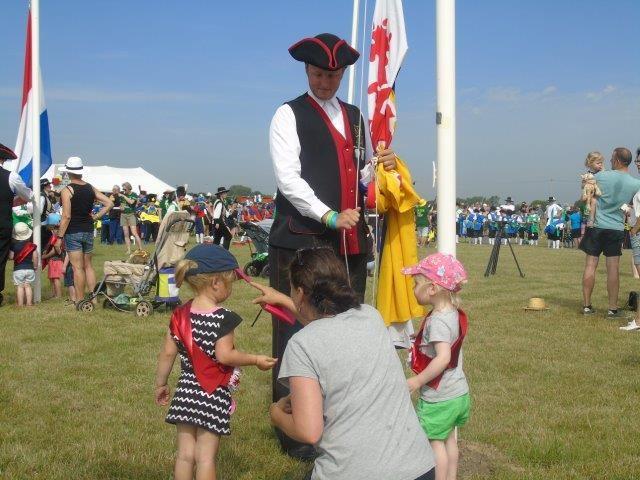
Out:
{"x": 105, "y": 177}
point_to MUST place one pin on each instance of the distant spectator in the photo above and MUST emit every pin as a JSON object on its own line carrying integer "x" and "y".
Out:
{"x": 222, "y": 228}
{"x": 114, "y": 216}
{"x": 575, "y": 217}
{"x": 150, "y": 217}
{"x": 422, "y": 223}
{"x": 128, "y": 219}
{"x": 53, "y": 255}
{"x": 171, "y": 203}
{"x": 46, "y": 207}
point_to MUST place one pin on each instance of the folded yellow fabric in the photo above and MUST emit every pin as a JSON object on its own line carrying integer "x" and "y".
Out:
{"x": 396, "y": 198}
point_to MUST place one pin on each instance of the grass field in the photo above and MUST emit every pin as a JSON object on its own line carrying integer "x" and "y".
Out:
{"x": 555, "y": 395}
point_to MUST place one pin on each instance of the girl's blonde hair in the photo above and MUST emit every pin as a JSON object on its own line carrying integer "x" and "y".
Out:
{"x": 593, "y": 158}
{"x": 200, "y": 281}
{"x": 456, "y": 301}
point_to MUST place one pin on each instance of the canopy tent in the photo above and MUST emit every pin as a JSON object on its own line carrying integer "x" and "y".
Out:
{"x": 105, "y": 177}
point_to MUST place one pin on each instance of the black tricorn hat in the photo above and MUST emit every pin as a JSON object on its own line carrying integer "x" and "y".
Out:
{"x": 551, "y": 199}
{"x": 509, "y": 200}
{"x": 6, "y": 153}
{"x": 325, "y": 51}
{"x": 221, "y": 190}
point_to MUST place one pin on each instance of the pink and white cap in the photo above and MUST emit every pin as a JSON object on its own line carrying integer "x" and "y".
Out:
{"x": 442, "y": 269}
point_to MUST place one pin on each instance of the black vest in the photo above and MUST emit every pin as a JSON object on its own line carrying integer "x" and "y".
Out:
{"x": 6, "y": 199}
{"x": 319, "y": 168}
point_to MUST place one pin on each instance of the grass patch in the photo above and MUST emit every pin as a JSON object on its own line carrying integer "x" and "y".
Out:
{"x": 554, "y": 393}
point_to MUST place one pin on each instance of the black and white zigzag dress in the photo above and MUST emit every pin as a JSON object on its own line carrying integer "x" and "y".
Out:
{"x": 191, "y": 404}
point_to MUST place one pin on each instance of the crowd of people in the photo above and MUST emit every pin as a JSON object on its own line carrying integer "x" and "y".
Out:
{"x": 563, "y": 226}
{"x": 135, "y": 217}
{"x": 74, "y": 213}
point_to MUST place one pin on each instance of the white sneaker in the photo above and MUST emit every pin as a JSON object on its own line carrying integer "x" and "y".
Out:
{"x": 632, "y": 325}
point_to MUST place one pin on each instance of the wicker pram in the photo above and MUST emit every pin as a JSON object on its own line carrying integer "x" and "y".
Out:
{"x": 127, "y": 285}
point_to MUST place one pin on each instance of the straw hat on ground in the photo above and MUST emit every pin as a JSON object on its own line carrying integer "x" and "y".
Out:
{"x": 536, "y": 304}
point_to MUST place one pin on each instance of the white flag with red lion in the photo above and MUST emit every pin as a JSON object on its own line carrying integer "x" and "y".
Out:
{"x": 388, "y": 48}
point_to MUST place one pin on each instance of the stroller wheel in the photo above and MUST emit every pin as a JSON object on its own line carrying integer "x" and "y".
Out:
{"x": 144, "y": 309}
{"x": 265, "y": 271}
{"x": 85, "y": 306}
{"x": 251, "y": 269}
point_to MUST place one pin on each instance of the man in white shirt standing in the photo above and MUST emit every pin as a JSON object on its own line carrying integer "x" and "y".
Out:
{"x": 553, "y": 214}
{"x": 508, "y": 205}
{"x": 11, "y": 184}
{"x": 318, "y": 149}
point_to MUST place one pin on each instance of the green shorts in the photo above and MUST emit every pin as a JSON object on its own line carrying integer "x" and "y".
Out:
{"x": 438, "y": 419}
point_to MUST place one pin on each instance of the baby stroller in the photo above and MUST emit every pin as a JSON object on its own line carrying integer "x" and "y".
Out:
{"x": 258, "y": 232}
{"x": 127, "y": 285}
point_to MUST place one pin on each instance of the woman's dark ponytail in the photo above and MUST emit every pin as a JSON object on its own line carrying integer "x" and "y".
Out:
{"x": 323, "y": 279}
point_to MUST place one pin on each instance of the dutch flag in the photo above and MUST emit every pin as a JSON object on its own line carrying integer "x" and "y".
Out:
{"x": 24, "y": 144}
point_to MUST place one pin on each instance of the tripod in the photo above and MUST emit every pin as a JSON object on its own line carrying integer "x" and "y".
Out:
{"x": 495, "y": 253}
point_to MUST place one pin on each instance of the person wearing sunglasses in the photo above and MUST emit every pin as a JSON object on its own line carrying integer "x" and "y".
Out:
{"x": 349, "y": 395}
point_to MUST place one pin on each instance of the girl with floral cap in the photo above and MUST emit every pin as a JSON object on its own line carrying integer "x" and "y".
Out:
{"x": 436, "y": 357}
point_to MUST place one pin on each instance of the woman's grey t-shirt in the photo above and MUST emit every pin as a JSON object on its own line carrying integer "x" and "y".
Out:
{"x": 443, "y": 327}
{"x": 371, "y": 430}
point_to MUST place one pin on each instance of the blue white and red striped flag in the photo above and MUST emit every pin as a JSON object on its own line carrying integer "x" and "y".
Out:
{"x": 24, "y": 144}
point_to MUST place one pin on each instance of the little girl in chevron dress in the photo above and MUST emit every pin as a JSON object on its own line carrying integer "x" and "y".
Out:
{"x": 202, "y": 333}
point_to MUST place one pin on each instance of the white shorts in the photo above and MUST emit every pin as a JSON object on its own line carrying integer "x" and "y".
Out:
{"x": 23, "y": 277}
{"x": 423, "y": 231}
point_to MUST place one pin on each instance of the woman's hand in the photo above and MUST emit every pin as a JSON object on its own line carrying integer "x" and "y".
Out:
{"x": 284, "y": 404}
{"x": 264, "y": 362}
{"x": 414, "y": 384}
{"x": 270, "y": 295}
{"x": 162, "y": 395}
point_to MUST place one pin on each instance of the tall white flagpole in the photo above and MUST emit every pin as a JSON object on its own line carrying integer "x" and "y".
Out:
{"x": 446, "y": 124}
{"x": 35, "y": 123}
{"x": 354, "y": 44}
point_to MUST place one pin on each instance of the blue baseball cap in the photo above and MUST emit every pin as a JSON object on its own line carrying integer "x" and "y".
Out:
{"x": 210, "y": 259}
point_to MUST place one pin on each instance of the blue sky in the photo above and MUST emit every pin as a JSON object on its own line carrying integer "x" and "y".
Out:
{"x": 187, "y": 89}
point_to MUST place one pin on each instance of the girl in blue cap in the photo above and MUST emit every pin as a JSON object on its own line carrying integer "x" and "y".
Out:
{"x": 202, "y": 333}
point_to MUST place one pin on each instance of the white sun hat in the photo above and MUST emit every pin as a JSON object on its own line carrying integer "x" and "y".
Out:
{"x": 74, "y": 165}
{"x": 21, "y": 231}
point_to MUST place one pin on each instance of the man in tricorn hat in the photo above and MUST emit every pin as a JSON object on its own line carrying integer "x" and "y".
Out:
{"x": 221, "y": 225}
{"x": 318, "y": 147}
{"x": 11, "y": 184}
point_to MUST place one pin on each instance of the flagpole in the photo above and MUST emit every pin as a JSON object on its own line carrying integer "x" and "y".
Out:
{"x": 35, "y": 123}
{"x": 446, "y": 124}
{"x": 354, "y": 44}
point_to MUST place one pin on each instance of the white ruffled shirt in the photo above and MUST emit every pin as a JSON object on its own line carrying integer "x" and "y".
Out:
{"x": 284, "y": 146}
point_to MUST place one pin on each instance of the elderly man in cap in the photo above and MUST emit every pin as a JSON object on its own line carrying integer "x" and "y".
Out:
{"x": 318, "y": 149}
{"x": 11, "y": 184}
